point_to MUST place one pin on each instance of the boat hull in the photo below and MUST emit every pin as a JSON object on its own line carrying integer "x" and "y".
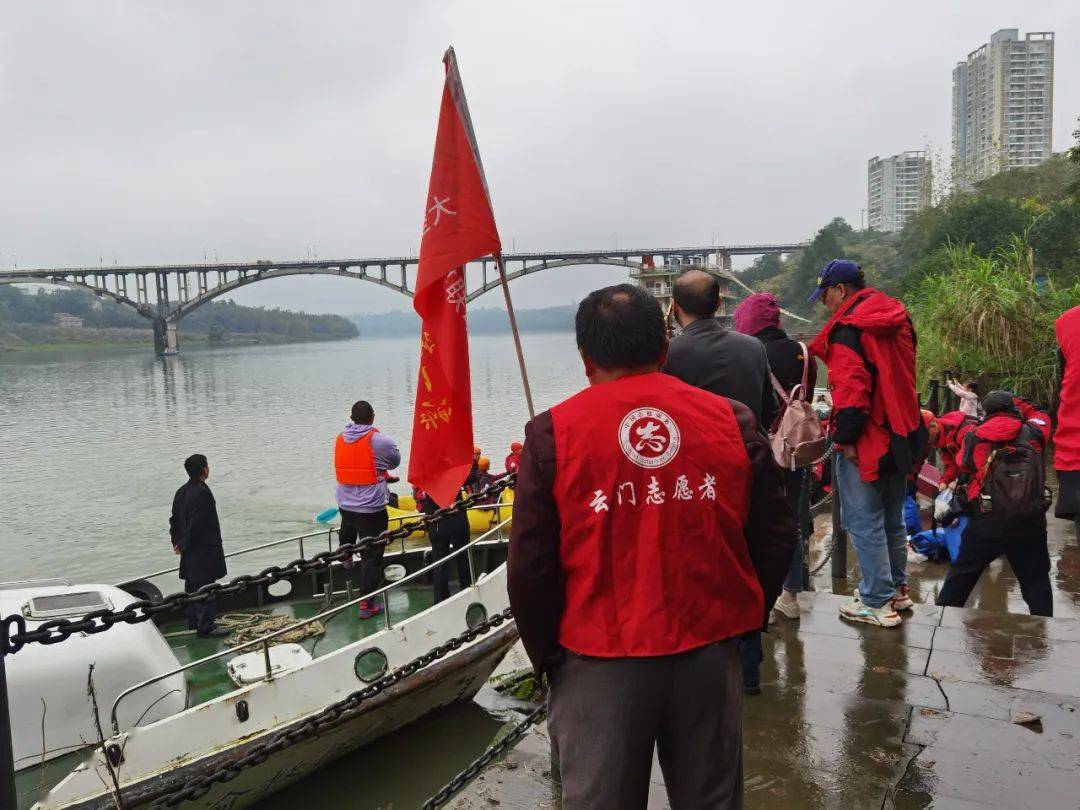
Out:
{"x": 161, "y": 757}
{"x": 456, "y": 678}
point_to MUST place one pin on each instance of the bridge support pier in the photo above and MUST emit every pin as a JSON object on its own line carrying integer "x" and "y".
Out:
{"x": 166, "y": 337}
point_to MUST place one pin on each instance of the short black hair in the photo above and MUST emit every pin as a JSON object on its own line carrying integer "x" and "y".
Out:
{"x": 620, "y": 327}
{"x": 857, "y": 283}
{"x": 697, "y": 294}
{"x": 194, "y": 465}
{"x": 363, "y": 413}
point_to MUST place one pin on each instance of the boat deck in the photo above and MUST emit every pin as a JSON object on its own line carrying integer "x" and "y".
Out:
{"x": 211, "y": 680}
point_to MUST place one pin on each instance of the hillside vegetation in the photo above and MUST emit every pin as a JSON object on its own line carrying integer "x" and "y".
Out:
{"x": 984, "y": 274}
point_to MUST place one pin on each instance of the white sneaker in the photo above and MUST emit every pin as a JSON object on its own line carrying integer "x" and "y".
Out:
{"x": 786, "y": 608}
{"x": 902, "y": 600}
{"x": 856, "y": 611}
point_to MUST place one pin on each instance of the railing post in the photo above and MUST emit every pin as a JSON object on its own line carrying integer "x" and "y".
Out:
{"x": 472, "y": 565}
{"x": 386, "y": 608}
{"x": 8, "y": 796}
{"x": 266, "y": 657}
{"x": 839, "y": 536}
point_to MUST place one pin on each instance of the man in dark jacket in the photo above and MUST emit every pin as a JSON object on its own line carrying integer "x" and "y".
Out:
{"x": 196, "y": 537}
{"x": 868, "y": 345}
{"x": 793, "y": 367}
{"x": 988, "y": 536}
{"x": 729, "y": 364}
{"x": 706, "y": 355}
{"x": 450, "y": 533}
{"x": 633, "y": 568}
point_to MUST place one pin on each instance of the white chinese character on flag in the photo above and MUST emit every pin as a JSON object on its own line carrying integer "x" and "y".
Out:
{"x": 439, "y": 208}
{"x": 455, "y": 290}
{"x": 632, "y": 497}
{"x": 682, "y": 489}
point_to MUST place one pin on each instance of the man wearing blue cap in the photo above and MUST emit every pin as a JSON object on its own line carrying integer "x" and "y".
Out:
{"x": 877, "y": 430}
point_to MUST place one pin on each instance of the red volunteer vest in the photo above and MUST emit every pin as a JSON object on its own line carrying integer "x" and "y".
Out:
{"x": 1067, "y": 437}
{"x": 652, "y": 483}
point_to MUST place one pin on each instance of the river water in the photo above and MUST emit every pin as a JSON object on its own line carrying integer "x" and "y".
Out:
{"x": 92, "y": 443}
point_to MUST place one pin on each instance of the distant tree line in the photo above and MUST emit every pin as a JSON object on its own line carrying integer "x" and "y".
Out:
{"x": 481, "y": 321}
{"x": 18, "y": 307}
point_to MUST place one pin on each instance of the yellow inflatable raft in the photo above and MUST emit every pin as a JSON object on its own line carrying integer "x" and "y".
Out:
{"x": 481, "y": 518}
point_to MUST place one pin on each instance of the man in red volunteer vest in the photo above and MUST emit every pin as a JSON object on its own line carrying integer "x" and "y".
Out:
{"x": 650, "y": 530}
{"x": 868, "y": 345}
{"x": 1067, "y": 433}
{"x": 362, "y": 456}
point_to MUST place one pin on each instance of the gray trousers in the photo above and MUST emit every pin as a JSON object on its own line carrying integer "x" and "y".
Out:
{"x": 606, "y": 715}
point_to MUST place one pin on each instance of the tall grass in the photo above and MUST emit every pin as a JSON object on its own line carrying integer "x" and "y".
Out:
{"x": 986, "y": 318}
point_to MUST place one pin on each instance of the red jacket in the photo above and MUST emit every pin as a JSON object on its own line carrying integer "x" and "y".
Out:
{"x": 954, "y": 426}
{"x": 1001, "y": 427}
{"x": 869, "y": 348}
{"x": 1067, "y": 436}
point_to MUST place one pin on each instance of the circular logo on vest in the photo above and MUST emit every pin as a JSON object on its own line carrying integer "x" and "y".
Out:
{"x": 649, "y": 437}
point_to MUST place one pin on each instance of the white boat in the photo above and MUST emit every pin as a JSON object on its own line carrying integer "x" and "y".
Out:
{"x": 153, "y": 746}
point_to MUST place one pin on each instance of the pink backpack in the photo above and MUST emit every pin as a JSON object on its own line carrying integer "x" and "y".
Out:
{"x": 798, "y": 440}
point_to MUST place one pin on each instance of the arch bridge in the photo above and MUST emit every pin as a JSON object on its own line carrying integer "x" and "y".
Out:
{"x": 164, "y": 294}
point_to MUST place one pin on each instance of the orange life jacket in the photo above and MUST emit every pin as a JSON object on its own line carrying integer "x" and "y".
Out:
{"x": 354, "y": 462}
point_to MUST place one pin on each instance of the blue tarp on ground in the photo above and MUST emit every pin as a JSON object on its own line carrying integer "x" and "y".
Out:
{"x": 940, "y": 545}
{"x": 911, "y": 515}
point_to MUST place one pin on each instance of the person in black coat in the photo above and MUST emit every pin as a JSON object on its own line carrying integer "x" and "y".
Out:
{"x": 450, "y": 533}
{"x": 759, "y": 316}
{"x": 707, "y": 355}
{"x": 196, "y": 537}
{"x": 728, "y": 364}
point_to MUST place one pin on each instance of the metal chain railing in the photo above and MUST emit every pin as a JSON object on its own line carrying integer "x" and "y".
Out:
{"x": 328, "y": 717}
{"x": 496, "y": 749}
{"x": 14, "y": 634}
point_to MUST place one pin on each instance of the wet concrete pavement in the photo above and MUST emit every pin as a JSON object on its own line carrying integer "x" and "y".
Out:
{"x": 917, "y": 716}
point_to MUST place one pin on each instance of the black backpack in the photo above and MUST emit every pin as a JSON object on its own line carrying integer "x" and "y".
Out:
{"x": 1014, "y": 478}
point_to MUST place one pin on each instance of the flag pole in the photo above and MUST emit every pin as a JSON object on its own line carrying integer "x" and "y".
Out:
{"x": 514, "y": 331}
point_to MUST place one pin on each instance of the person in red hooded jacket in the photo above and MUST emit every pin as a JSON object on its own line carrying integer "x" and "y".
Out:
{"x": 513, "y": 461}
{"x": 868, "y": 345}
{"x": 1067, "y": 434}
{"x": 988, "y": 536}
{"x": 954, "y": 425}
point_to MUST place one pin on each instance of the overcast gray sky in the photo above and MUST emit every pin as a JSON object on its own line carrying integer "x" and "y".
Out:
{"x": 151, "y": 131}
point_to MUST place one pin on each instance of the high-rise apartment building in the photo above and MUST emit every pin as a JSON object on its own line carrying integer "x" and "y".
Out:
{"x": 1003, "y": 106}
{"x": 897, "y": 187}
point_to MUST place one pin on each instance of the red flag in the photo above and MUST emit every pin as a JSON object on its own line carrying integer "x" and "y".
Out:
{"x": 459, "y": 226}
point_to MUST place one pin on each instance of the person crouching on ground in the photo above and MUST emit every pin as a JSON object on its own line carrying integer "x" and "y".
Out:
{"x": 362, "y": 456}
{"x": 196, "y": 536}
{"x": 868, "y": 345}
{"x": 1021, "y": 537}
{"x": 650, "y": 530}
